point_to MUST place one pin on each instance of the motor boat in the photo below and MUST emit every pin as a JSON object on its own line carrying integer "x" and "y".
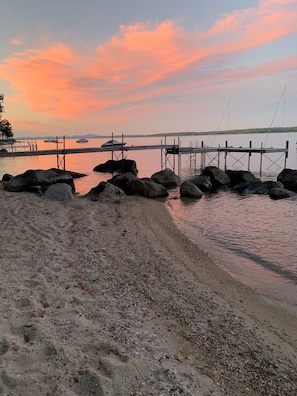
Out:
{"x": 82, "y": 140}
{"x": 51, "y": 141}
{"x": 113, "y": 143}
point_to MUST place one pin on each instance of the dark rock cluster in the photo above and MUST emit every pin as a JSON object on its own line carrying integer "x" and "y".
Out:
{"x": 55, "y": 184}
{"x": 129, "y": 184}
{"x": 49, "y": 184}
{"x": 213, "y": 179}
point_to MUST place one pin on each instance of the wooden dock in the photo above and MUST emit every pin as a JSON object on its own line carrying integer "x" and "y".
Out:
{"x": 167, "y": 150}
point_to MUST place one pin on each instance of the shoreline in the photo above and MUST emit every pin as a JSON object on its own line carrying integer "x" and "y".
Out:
{"x": 111, "y": 298}
{"x": 279, "y": 291}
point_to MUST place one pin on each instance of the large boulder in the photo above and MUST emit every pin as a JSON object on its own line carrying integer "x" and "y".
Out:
{"x": 283, "y": 174}
{"x": 6, "y": 177}
{"x": 144, "y": 187}
{"x": 167, "y": 178}
{"x": 241, "y": 176}
{"x": 218, "y": 177}
{"x": 75, "y": 175}
{"x": 262, "y": 188}
{"x": 288, "y": 177}
{"x": 124, "y": 182}
{"x": 190, "y": 190}
{"x": 258, "y": 188}
{"x": 203, "y": 182}
{"x": 58, "y": 192}
{"x": 105, "y": 191}
{"x": 118, "y": 166}
{"x": 281, "y": 193}
{"x": 151, "y": 189}
{"x": 41, "y": 178}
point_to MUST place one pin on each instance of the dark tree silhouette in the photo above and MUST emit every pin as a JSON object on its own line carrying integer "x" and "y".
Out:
{"x": 6, "y": 129}
{"x": 5, "y": 126}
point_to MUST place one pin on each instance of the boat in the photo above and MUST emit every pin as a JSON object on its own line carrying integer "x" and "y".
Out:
{"x": 51, "y": 141}
{"x": 113, "y": 143}
{"x": 82, "y": 140}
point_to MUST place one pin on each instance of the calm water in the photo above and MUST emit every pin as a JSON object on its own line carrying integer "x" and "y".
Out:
{"x": 254, "y": 238}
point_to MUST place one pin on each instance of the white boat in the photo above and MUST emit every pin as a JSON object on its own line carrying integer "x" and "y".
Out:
{"x": 51, "y": 141}
{"x": 113, "y": 143}
{"x": 82, "y": 140}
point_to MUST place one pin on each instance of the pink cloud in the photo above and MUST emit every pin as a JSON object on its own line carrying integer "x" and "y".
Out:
{"x": 144, "y": 61}
{"x": 31, "y": 126}
{"x": 16, "y": 41}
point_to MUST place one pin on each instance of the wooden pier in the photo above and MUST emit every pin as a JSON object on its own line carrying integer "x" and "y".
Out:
{"x": 169, "y": 153}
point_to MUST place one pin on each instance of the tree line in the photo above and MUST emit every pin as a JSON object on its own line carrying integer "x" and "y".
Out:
{"x": 5, "y": 126}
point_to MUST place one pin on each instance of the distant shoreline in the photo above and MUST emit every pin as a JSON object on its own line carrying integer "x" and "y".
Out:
{"x": 177, "y": 134}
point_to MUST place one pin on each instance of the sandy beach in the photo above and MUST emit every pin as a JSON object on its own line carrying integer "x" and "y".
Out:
{"x": 110, "y": 299}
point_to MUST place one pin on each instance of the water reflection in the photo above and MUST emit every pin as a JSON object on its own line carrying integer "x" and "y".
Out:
{"x": 252, "y": 237}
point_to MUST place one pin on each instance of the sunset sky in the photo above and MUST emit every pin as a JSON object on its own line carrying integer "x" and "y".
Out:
{"x": 138, "y": 66}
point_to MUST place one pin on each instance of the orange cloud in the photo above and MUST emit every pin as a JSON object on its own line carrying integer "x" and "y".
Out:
{"x": 145, "y": 61}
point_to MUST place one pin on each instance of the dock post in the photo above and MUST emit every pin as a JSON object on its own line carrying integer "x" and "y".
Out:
{"x": 64, "y": 156}
{"x": 261, "y": 155}
{"x": 219, "y": 152}
{"x": 112, "y": 150}
{"x": 161, "y": 154}
{"x": 250, "y": 154}
{"x": 202, "y": 157}
{"x": 173, "y": 155}
{"x": 287, "y": 153}
{"x": 226, "y": 153}
{"x": 179, "y": 158}
{"x": 165, "y": 158}
{"x": 57, "y": 147}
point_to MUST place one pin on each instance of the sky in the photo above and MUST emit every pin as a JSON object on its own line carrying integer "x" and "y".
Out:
{"x": 69, "y": 67}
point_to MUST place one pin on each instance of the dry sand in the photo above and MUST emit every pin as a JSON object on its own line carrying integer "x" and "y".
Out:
{"x": 108, "y": 298}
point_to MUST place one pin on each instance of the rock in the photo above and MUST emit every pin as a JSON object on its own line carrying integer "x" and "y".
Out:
{"x": 6, "y": 177}
{"x": 152, "y": 189}
{"x": 203, "y": 182}
{"x": 273, "y": 184}
{"x": 190, "y": 190}
{"x": 240, "y": 187}
{"x": 106, "y": 191}
{"x": 217, "y": 176}
{"x": 241, "y": 176}
{"x": 75, "y": 175}
{"x": 120, "y": 166}
{"x": 167, "y": 178}
{"x": 260, "y": 188}
{"x": 124, "y": 182}
{"x": 58, "y": 192}
{"x": 281, "y": 176}
{"x": 145, "y": 187}
{"x": 281, "y": 193}
{"x": 43, "y": 178}
{"x": 288, "y": 178}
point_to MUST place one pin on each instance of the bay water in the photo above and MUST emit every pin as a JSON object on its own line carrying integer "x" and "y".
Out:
{"x": 252, "y": 237}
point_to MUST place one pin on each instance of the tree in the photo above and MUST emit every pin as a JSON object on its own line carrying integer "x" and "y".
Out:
{"x": 1, "y": 104}
{"x": 6, "y": 129}
{"x": 5, "y": 126}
